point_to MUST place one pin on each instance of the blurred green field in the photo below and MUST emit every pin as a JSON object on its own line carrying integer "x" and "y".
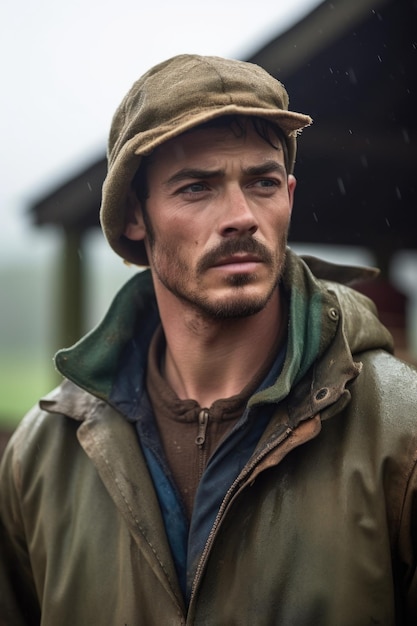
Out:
{"x": 22, "y": 383}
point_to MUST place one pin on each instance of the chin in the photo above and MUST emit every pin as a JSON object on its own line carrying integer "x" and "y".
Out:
{"x": 238, "y": 304}
{"x": 237, "y": 310}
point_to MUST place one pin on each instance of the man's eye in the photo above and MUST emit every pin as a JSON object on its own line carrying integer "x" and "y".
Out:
{"x": 194, "y": 188}
{"x": 267, "y": 182}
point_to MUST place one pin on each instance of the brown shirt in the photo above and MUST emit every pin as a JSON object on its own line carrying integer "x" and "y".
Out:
{"x": 190, "y": 433}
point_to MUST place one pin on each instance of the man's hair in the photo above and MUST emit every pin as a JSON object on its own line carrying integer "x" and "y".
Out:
{"x": 265, "y": 129}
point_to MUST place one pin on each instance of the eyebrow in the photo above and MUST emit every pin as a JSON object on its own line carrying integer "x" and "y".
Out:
{"x": 187, "y": 173}
{"x": 268, "y": 167}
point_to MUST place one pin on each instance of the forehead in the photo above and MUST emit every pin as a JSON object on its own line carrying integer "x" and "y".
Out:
{"x": 206, "y": 146}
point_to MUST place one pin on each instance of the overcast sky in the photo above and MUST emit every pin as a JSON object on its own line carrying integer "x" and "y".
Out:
{"x": 67, "y": 65}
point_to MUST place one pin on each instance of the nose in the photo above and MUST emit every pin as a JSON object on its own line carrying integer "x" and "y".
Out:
{"x": 237, "y": 217}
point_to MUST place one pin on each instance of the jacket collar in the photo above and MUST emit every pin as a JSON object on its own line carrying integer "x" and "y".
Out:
{"x": 325, "y": 325}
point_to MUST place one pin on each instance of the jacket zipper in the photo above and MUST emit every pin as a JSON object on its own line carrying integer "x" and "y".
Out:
{"x": 229, "y": 494}
{"x": 202, "y": 427}
{"x": 200, "y": 440}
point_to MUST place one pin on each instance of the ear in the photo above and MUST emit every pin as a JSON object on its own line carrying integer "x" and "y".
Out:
{"x": 291, "y": 184}
{"x": 135, "y": 227}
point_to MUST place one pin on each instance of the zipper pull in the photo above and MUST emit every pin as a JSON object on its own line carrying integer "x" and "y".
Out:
{"x": 202, "y": 427}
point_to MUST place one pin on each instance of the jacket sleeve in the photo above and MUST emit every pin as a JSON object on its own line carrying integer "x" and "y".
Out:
{"x": 18, "y": 600}
{"x": 408, "y": 551}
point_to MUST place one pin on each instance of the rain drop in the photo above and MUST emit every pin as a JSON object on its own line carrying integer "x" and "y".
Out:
{"x": 406, "y": 136}
{"x": 352, "y": 76}
{"x": 341, "y": 186}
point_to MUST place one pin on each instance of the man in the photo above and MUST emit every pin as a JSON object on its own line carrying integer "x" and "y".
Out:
{"x": 234, "y": 444}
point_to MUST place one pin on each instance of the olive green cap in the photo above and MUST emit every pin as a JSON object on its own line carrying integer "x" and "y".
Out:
{"x": 170, "y": 99}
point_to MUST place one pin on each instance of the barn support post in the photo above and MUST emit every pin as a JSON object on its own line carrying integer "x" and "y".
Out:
{"x": 71, "y": 304}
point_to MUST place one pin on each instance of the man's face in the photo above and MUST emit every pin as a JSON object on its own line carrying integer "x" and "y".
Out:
{"x": 218, "y": 214}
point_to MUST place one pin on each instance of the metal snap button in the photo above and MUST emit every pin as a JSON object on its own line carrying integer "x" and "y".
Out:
{"x": 322, "y": 393}
{"x": 333, "y": 314}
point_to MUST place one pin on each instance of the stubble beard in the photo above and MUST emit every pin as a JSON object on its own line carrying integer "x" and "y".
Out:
{"x": 175, "y": 276}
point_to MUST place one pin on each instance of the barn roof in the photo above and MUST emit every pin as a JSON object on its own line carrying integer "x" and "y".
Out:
{"x": 352, "y": 67}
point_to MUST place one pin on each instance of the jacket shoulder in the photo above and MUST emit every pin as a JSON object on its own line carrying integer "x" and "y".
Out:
{"x": 385, "y": 394}
{"x": 38, "y": 432}
{"x": 383, "y": 411}
{"x": 397, "y": 379}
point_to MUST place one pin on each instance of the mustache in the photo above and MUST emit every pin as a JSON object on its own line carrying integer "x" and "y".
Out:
{"x": 231, "y": 246}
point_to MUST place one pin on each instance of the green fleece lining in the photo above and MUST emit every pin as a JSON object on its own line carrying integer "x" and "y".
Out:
{"x": 91, "y": 363}
{"x": 305, "y": 333}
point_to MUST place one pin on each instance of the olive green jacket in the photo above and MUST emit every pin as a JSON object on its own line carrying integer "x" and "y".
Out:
{"x": 319, "y": 528}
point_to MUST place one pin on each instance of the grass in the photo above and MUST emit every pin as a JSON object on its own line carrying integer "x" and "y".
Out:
{"x": 22, "y": 382}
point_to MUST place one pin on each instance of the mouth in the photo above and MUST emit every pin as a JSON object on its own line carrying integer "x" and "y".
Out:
{"x": 243, "y": 262}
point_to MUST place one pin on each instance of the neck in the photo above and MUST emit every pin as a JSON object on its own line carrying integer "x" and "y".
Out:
{"x": 211, "y": 359}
